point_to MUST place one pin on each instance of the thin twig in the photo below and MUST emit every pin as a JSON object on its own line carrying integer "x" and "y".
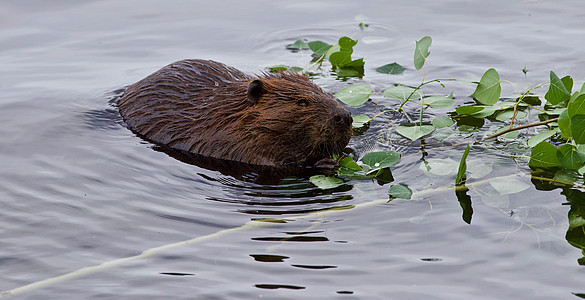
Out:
{"x": 518, "y": 128}
{"x": 514, "y": 115}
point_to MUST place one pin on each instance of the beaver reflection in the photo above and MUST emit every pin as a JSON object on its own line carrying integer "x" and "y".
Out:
{"x": 258, "y": 174}
{"x": 207, "y": 109}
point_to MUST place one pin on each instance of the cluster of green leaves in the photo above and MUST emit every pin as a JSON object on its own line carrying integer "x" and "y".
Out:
{"x": 375, "y": 165}
{"x": 561, "y": 104}
{"x": 558, "y": 145}
{"x": 338, "y": 55}
{"x": 562, "y": 115}
{"x": 358, "y": 94}
{"x": 570, "y": 109}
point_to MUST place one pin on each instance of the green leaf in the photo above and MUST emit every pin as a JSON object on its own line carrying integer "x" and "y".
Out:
{"x": 509, "y": 135}
{"x": 544, "y": 155}
{"x": 569, "y": 157}
{"x": 277, "y": 68}
{"x": 340, "y": 59}
{"x": 461, "y": 177}
{"x": 582, "y": 91}
{"x": 298, "y": 45}
{"x": 402, "y": 92}
{"x": 534, "y": 140}
{"x": 442, "y": 122}
{"x": 565, "y": 176}
{"x": 442, "y": 134}
{"x": 346, "y": 43}
{"x": 482, "y": 111}
{"x": 295, "y": 69}
{"x": 508, "y": 114}
{"x": 576, "y": 232}
{"x": 488, "y": 90}
{"x": 578, "y": 128}
{"x": 439, "y": 101}
{"x": 565, "y": 124}
{"x": 439, "y": 166}
{"x": 421, "y": 52}
{"x": 531, "y": 100}
{"x": 355, "y": 95}
{"x": 359, "y": 120}
{"x": 479, "y": 168}
{"x": 281, "y": 68}
{"x": 326, "y": 182}
{"x": 468, "y": 110}
{"x": 349, "y": 163}
{"x": 381, "y": 159}
{"x": 576, "y": 106}
{"x": 555, "y": 111}
{"x": 415, "y": 132}
{"x": 504, "y": 105}
{"x": 382, "y": 176}
{"x": 506, "y": 186}
{"x": 400, "y": 191}
{"x": 568, "y": 83}
{"x": 392, "y": 69}
{"x": 357, "y": 63}
{"x": 574, "y": 96}
{"x": 343, "y": 72}
{"x": 557, "y": 92}
{"x": 485, "y": 112}
{"x": 318, "y": 46}
{"x": 576, "y": 220}
{"x": 580, "y": 148}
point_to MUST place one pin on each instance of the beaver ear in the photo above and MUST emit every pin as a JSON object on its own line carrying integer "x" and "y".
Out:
{"x": 255, "y": 91}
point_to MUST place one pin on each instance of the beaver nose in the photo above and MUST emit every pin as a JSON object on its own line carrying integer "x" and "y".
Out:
{"x": 342, "y": 118}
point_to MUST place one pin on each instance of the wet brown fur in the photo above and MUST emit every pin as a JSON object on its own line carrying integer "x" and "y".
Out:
{"x": 204, "y": 107}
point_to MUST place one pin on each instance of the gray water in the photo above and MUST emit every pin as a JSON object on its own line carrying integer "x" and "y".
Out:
{"x": 79, "y": 189}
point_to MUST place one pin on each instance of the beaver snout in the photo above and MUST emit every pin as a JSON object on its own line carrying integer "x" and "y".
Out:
{"x": 342, "y": 118}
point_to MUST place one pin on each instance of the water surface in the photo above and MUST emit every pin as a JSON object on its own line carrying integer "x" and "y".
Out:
{"x": 79, "y": 189}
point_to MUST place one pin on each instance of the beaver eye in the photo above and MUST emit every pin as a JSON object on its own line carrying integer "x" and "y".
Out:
{"x": 302, "y": 102}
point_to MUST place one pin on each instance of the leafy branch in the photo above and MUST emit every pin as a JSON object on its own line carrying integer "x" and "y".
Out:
{"x": 562, "y": 145}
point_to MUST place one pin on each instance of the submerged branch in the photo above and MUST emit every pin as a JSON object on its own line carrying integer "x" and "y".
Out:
{"x": 259, "y": 223}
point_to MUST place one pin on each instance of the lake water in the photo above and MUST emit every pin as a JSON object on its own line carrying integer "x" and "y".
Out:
{"x": 78, "y": 189}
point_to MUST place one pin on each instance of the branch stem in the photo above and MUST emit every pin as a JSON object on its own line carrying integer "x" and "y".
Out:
{"x": 518, "y": 128}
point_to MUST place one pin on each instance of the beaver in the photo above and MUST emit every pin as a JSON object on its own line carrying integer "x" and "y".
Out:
{"x": 208, "y": 108}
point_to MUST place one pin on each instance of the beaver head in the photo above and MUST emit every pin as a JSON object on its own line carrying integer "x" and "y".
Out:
{"x": 293, "y": 120}
{"x": 208, "y": 108}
